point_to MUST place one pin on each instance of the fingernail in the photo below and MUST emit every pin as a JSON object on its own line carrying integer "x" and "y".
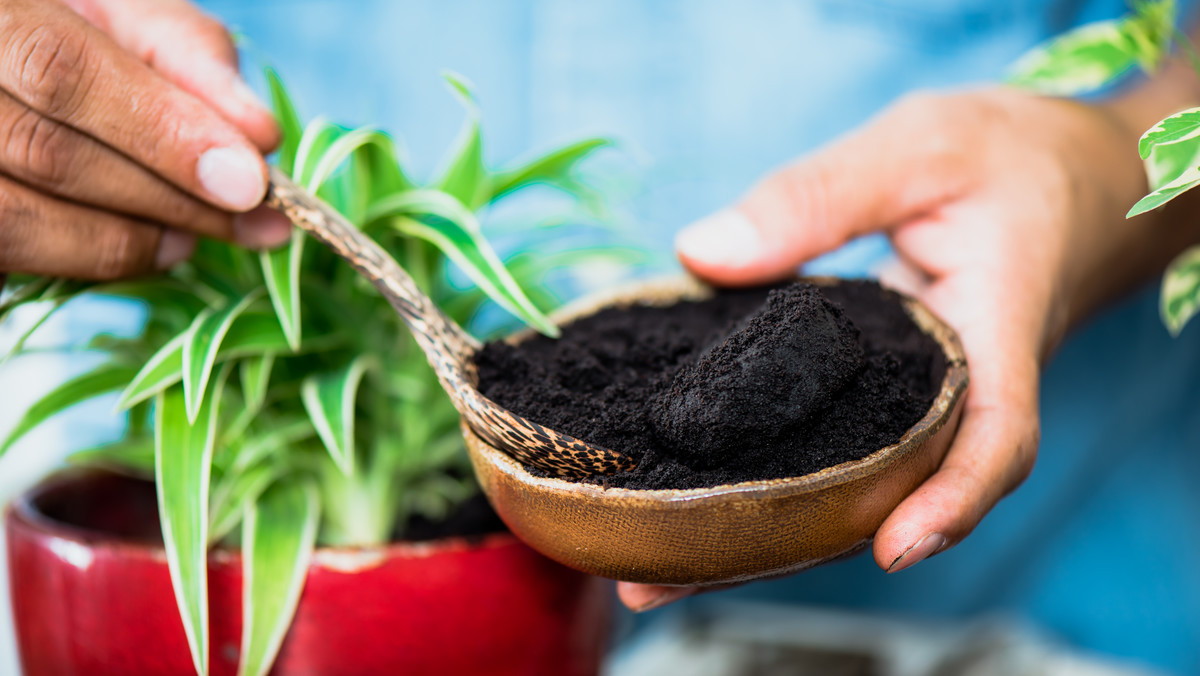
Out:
{"x": 724, "y": 238}
{"x": 262, "y": 228}
{"x": 668, "y": 596}
{"x": 174, "y": 247}
{"x": 233, "y": 176}
{"x": 927, "y": 546}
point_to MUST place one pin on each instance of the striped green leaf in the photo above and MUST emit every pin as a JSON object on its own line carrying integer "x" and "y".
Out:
{"x": 329, "y": 399}
{"x": 183, "y": 465}
{"x": 434, "y": 216}
{"x": 107, "y": 378}
{"x": 255, "y": 373}
{"x": 200, "y": 347}
{"x": 465, "y": 177}
{"x": 553, "y": 167}
{"x": 1180, "y": 299}
{"x": 252, "y": 333}
{"x": 279, "y": 532}
{"x": 289, "y": 121}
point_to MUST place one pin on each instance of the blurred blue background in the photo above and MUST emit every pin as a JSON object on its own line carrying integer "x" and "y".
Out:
{"x": 1099, "y": 547}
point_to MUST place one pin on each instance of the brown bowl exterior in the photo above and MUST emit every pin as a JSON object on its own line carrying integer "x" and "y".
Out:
{"x": 729, "y": 533}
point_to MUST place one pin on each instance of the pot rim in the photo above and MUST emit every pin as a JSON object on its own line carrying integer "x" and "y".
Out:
{"x": 685, "y": 287}
{"x": 23, "y": 513}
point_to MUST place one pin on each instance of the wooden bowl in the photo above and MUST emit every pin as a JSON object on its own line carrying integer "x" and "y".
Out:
{"x": 729, "y": 533}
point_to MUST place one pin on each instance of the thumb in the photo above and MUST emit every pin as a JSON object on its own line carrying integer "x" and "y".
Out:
{"x": 892, "y": 170}
{"x": 190, "y": 49}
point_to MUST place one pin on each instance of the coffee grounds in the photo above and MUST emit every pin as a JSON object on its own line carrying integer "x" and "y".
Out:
{"x": 750, "y": 384}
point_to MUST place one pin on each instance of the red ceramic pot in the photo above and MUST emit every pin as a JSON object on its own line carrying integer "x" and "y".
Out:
{"x": 91, "y": 595}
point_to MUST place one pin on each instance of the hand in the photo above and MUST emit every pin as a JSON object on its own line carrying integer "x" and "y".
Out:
{"x": 1006, "y": 212}
{"x": 125, "y": 131}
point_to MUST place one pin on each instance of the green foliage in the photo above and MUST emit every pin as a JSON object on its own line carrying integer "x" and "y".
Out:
{"x": 334, "y": 430}
{"x": 1093, "y": 56}
{"x": 1180, "y": 299}
{"x": 182, "y": 469}
{"x": 277, "y": 542}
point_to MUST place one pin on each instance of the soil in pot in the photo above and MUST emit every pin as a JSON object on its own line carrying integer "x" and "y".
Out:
{"x": 750, "y": 384}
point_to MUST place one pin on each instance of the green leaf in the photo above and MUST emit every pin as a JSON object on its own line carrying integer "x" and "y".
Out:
{"x": 1180, "y": 299}
{"x": 318, "y": 136}
{"x": 233, "y": 493}
{"x": 256, "y": 375}
{"x": 465, "y": 177}
{"x": 339, "y": 150}
{"x": 329, "y": 399}
{"x": 26, "y": 293}
{"x": 200, "y": 347}
{"x": 1149, "y": 31}
{"x": 281, "y": 435}
{"x": 281, "y": 267}
{"x": 279, "y": 534}
{"x": 1171, "y": 148}
{"x": 183, "y": 463}
{"x": 251, "y": 334}
{"x": 107, "y": 378}
{"x": 1182, "y": 126}
{"x": 289, "y": 121}
{"x": 281, "y": 271}
{"x": 550, "y": 168}
{"x": 1186, "y": 181}
{"x": 455, "y": 231}
{"x": 162, "y": 370}
{"x": 1169, "y": 162}
{"x": 132, "y": 454}
{"x": 1078, "y": 61}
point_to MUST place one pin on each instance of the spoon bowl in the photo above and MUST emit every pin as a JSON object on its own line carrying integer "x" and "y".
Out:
{"x": 729, "y": 533}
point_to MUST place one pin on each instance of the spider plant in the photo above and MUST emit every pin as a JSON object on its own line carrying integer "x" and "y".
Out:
{"x": 1098, "y": 54}
{"x": 278, "y": 402}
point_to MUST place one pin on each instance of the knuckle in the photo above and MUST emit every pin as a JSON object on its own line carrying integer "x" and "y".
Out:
{"x": 937, "y": 121}
{"x": 15, "y": 231}
{"x": 39, "y": 149}
{"x": 215, "y": 35}
{"x": 119, "y": 254}
{"x": 53, "y": 68}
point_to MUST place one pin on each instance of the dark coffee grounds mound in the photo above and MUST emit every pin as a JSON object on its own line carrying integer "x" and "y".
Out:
{"x": 607, "y": 381}
{"x": 787, "y": 363}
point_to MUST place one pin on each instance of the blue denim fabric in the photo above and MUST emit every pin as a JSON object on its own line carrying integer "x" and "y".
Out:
{"x": 1100, "y": 546}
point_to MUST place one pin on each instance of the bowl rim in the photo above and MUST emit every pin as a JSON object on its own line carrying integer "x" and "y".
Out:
{"x": 674, "y": 288}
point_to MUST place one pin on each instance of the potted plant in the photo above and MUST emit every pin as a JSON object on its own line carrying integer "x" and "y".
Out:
{"x": 1098, "y": 54}
{"x": 293, "y": 432}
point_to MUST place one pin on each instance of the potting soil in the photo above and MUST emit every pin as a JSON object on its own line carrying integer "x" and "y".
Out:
{"x": 750, "y": 384}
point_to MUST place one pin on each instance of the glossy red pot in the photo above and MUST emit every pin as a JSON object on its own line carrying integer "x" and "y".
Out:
{"x": 91, "y": 595}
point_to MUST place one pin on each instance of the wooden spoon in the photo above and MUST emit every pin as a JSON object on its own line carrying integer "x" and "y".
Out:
{"x": 449, "y": 349}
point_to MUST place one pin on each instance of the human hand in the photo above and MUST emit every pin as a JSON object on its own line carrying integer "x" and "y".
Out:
{"x": 1006, "y": 212}
{"x": 125, "y": 131}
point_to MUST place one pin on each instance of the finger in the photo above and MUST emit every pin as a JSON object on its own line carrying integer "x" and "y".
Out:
{"x": 190, "y": 49}
{"x": 56, "y": 63}
{"x": 992, "y": 453}
{"x": 58, "y": 159}
{"x": 898, "y": 166}
{"x": 642, "y": 597}
{"x": 41, "y": 235}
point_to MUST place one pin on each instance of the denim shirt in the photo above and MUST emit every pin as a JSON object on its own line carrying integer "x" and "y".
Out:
{"x": 1100, "y": 545}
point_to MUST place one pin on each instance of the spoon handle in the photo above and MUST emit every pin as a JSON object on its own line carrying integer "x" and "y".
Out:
{"x": 434, "y": 331}
{"x": 449, "y": 349}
